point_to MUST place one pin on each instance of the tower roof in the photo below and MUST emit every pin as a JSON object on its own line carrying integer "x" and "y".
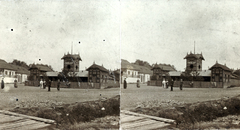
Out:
{"x": 74, "y": 56}
{"x": 197, "y": 56}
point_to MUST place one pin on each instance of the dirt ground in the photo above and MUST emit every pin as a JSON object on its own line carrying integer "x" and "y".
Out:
{"x": 192, "y": 108}
{"x": 133, "y": 97}
{"x": 27, "y": 96}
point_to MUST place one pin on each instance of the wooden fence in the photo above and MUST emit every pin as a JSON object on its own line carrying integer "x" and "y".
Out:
{"x": 200, "y": 84}
{"x": 80, "y": 85}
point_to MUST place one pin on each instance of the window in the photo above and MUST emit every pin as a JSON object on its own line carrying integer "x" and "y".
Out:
{"x": 128, "y": 72}
{"x": 94, "y": 71}
{"x": 199, "y": 67}
{"x": 68, "y": 67}
{"x": 191, "y": 66}
{"x": 6, "y": 73}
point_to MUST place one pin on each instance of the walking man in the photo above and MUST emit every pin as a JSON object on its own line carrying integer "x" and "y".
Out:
{"x": 58, "y": 85}
{"x": 125, "y": 84}
{"x": 49, "y": 85}
{"x": 2, "y": 84}
{"x": 181, "y": 84}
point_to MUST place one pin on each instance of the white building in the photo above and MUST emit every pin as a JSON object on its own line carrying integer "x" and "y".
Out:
{"x": 133, "y": 72}
{"x": 7, "y": 72}
{"x": 129, "y": 72}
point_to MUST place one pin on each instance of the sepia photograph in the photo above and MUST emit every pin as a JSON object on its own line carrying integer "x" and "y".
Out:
{"x": 180, "y": 64}
{"x": 59, "y": 64}
{"x": 119, "y": 64}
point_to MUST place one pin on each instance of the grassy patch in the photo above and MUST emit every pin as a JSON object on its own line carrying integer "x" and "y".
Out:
{"x": 189, "y": 115}
{"x": 72, "y": 114}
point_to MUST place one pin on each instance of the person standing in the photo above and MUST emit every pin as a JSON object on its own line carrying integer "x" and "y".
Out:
{"x": 171, "y": 84}
{"x": 2, "y": 84}
{"x": 58, "y": 85}
{"x": 15, "y": 83}
{"x": 181, "y": 84}
{"x": 49, "y": 85}
{"x": 125, "y": 84}
{"x": 138, "y": 84}
{"x": 41, "y": 84}
{"x": 44, "y": 84}
{"x": 164, "y": 83}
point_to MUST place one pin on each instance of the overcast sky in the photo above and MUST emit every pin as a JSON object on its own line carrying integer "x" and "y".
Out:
{"x": 45, "y": 29}
{"x": 163, "y": 31}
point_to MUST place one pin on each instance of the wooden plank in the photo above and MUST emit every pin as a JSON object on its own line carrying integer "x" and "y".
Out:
{"x": 135, "y": 124}
{"x": 151, "y": 117}
{"x": 30, "y": 117}
{"x": 34, "y": 126}
{"x": 123, "y": 115}
{"x": 10, "y": 119}
{"x": 158, "y": 125}
{"x": 132, "y": 119}
{"x": 16, "y": 124}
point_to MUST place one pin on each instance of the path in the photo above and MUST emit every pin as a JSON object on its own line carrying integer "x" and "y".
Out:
{"x": 15, "y": 121}
{"x": 135, "y": 121}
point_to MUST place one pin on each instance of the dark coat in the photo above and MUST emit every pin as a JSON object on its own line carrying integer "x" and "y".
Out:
{"x": 2, "y": 84}
{"x": 49, "y": 83}
{"x": 125, "y": 84}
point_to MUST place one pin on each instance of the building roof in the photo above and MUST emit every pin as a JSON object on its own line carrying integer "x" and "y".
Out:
{"x": 142, "y": 69}
{"x": 5, "y": 65}
{"x": 163, "y": 67}
{"x": 82, "y": 73}
{"x": 127, "y": 65}
{"x": 175, "y": 73}
{"x": 74, "y": 56}
{"x": 95, "y": 66}
{"x": 20, "y": 69}
{"x": 41, "y": 67}
{"x": 217, "y": 65}
{"x": 205, "y": 73}
{"x": 52, "y": 74}
{"x": 198, "y": 56}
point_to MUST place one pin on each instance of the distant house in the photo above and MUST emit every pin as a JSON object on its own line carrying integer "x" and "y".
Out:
{"x": 97, "y": 74}
{"x": 7, "y": 72}
{"x": 129, "y": 71}
{"x": 38, "y": 71}
{"x": 21, "y": 73}
{"x": 161, "y": 71}
{"x": 220, "y": 74}
{"x": 117, "y": 75}
{"x": 144, "y": 73}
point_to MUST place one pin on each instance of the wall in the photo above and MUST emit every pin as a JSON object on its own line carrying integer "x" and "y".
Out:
{"x": 200, "y": 84}
{"x": 8, "y": 79}
{"x": 131, "y": 79}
